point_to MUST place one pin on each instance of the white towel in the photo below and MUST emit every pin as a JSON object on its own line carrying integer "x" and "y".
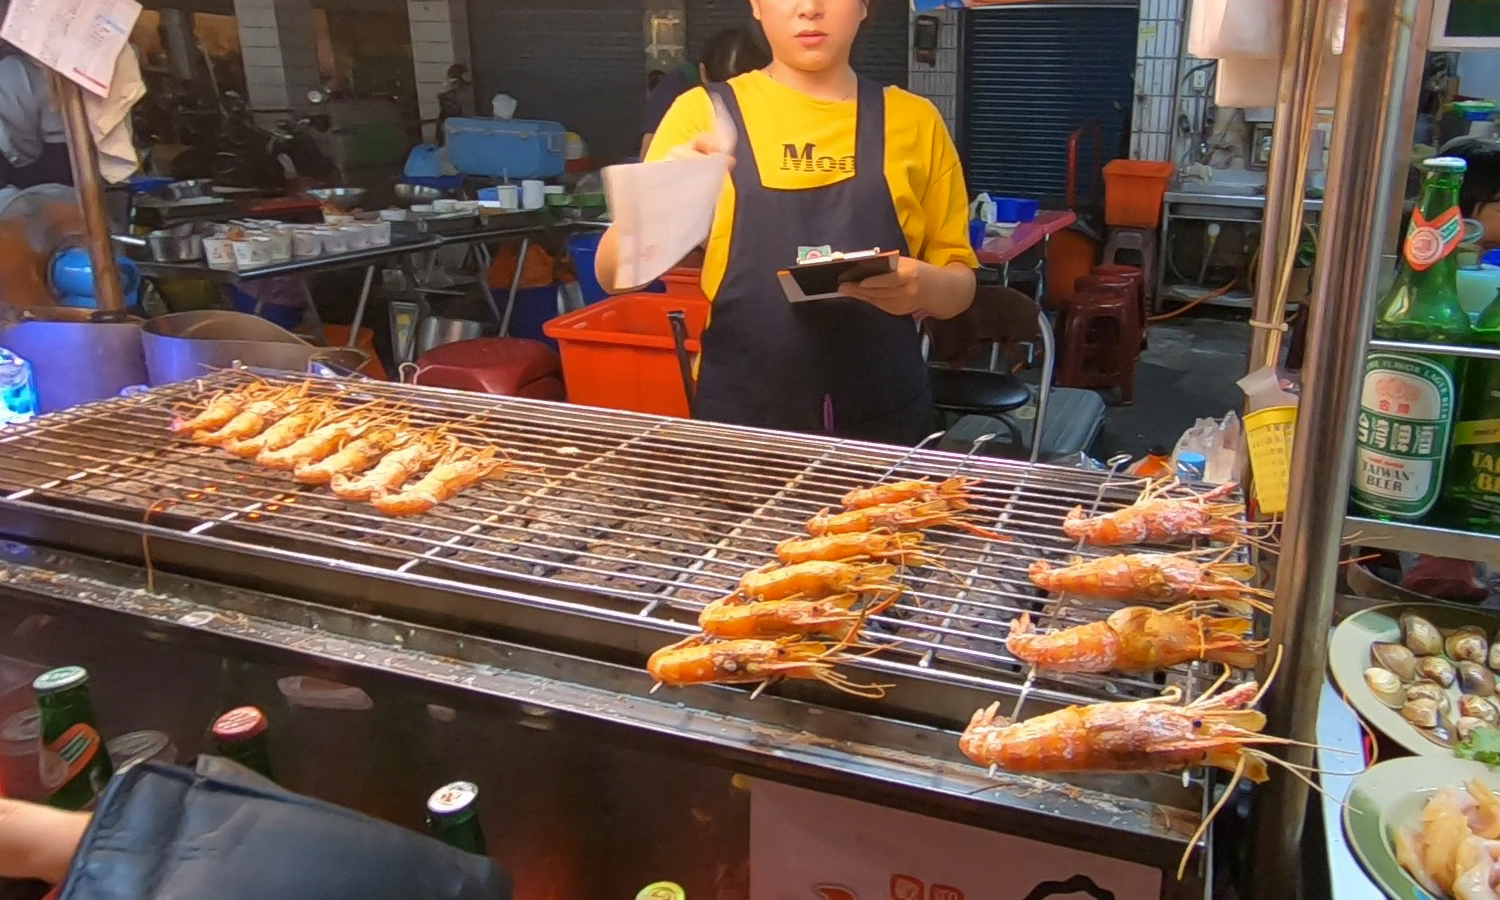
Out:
{"x": 109, "y": 119}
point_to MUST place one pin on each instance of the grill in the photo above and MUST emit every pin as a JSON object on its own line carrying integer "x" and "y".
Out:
{"x": 614, "y": 518}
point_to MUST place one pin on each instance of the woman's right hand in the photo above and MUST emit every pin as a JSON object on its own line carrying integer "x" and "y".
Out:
{"x": 705, "y": 144}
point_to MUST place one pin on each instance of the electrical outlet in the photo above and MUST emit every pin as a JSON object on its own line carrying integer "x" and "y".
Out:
{"x": 1200, "y": 81}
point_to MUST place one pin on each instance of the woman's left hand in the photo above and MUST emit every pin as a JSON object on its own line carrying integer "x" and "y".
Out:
{"x": 895, "y": 292}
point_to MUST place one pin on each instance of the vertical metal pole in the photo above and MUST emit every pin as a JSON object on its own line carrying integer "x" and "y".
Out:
{"x": 1367, "y": 138}
{"x": 1304, "y": 28}
{"x": 90, "y": 187}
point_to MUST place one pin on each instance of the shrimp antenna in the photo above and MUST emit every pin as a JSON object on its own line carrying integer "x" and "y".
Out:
{"x": 1234, "y": 780}
{"x": 1270, "y": 677}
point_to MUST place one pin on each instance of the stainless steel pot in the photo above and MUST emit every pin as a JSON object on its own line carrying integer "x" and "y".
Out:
{"x": 435, "y": 331}
{"x": 186, "y": 345}
{"x": 171, "y": 246}
{"x": 75, "y": 359}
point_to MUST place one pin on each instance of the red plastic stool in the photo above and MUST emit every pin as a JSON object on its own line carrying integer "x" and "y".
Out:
{"x": 1132, "y": 243}
{"x": 1137, "y": 278}
{"x": 508, "y": 367}
{"x": 1100, "y": 340}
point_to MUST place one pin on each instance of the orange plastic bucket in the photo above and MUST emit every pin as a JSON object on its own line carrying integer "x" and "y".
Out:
{"x": 619, "y": 353}
{"x": 1133, "y": 192}
{"x": 685, "y": 283}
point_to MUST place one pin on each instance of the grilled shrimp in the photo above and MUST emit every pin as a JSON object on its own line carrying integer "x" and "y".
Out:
{"x": 280, "y": 433}
{"x": 316, "y": 445}
{"x": 1158, "y": 519}
{"x": 1138, "y": 639}
{"x": 702, "y": 660}
{"x": 254, "y": 418}
{"x": 455, "y": 471}
{"x": 394, "y": 469}
{"x": 733, "y": 618}
{"x": 816, "y": 580}
{"x": 920, "y": 490}
{"x": 352, "y": 458}
{"x": 216, "y": 414}
{"x": 1148, "y": 576}
{"x": 904, "y": 516}
{"x": 885, "y": 545}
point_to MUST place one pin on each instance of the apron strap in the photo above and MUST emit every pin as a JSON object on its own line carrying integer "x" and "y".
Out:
{"x": 746, "y": 173}
{"x": 869, "y": 132}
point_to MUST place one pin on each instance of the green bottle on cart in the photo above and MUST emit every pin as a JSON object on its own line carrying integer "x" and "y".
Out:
{"x": 75, "y": 766}
{"x": 1408, "y": 401}
{"x": 453, "y": 816}
{"x": 1472, "y": 489}
{"x": 240, "y": 735}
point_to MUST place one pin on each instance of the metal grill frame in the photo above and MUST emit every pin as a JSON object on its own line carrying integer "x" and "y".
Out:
{"x": 777, "y": 479}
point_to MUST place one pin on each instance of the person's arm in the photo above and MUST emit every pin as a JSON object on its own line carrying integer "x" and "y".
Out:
{"x": 38, "y": 841}
{"x": 686, "y": 130}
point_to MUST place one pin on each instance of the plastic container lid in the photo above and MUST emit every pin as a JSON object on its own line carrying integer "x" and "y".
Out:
{"x": 1491, "y": 257}
{"x": 141, "y": 746}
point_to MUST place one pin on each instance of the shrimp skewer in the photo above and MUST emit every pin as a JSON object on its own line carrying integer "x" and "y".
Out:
{"x": 394, "y": 469}
{"x": 904, "y": 516}
{"x": 457, "y": 470}
{"x": 1150, "y": 576}
{"x": 702, "y": 660}
{"x": 815, "y": 580}
{"x": 921, "y": 490}
{"x": 882, "y": 545}
{"x": 280, "y": 433}
{"x": 350, "y": 459}
{"x": 1161, "y": 734}
{"x": 1138, "y": 639}
{"x": 1158, "y": 519}
{"x": 216, "y": 413}
{"x": 731, "y": 618}
{"x": 252, "y": 419}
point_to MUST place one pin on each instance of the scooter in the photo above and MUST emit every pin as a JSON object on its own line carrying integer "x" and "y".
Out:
{"x": 247, "y": 156}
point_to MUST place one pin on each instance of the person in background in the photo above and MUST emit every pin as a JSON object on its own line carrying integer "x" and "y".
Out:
{"x": 731, "y": 52}
{"x": 33, "y": 142}
{"x": 823, "y": 160}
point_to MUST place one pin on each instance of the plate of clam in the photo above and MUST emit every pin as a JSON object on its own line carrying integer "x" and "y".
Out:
{"x": 1423, "y": 674}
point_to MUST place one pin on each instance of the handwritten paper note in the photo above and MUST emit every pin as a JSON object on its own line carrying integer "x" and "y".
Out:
{"x": 663, "y": 210}
{"x": 81, "y": 39}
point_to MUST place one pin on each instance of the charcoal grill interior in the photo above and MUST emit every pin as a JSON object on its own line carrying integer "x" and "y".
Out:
{"x": 621, "y": 516}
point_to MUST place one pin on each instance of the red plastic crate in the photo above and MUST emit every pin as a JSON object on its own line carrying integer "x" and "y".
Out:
{"x": 619, "y": 353}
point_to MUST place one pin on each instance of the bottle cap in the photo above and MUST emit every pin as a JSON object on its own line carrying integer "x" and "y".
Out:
{"x": 662, "y": 890}
{"x": 139, "y": 746}
{"x": 1157, "y": 450}
{"x": 239, "y": 724}
{"x": 452, "y": 798}
{"x": 1445, "y": 164}
{"x": 65, "y": 678}
{"x": 1196, "y": 460}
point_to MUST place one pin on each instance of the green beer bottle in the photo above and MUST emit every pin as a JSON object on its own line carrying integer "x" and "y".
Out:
{"x": 1472, "y": 488}
{"x": 1408, "y": 400}
{"x": 453, "y": 816}
{"x": 240, "y": 735}
{"x": 75, "y": 766}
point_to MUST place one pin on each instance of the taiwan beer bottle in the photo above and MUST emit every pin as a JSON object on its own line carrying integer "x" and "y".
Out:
{"x": 453, "y": 816}
{"x": 75, "y": 766}
{"x": 1408, "y": 400}
{"x": 1472, "y": 486}
{"x": 240, "y": 735}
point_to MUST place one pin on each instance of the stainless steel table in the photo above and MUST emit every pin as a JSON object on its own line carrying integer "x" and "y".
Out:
{"x": 1213, "y": 206}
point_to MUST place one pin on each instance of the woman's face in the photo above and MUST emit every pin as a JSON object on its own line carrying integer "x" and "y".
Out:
{"x": 810, "y": 35}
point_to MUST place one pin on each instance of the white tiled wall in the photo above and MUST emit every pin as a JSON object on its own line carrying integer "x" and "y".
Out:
{"x": 939, "y": 83}
{"x": 1156, "y": 73}
{"x": 439, "y": 38}
{"x": 281, "y": 56}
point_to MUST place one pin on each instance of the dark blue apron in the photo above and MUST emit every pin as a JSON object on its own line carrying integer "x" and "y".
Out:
{"x": 824, "y": 366}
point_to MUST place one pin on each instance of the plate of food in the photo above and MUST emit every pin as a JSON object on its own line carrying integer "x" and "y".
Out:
{"x": 1423, "y": 674}
{"x": 1427, "y": 829}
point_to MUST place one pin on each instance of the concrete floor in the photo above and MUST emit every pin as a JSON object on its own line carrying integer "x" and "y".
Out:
{"x": 1188, "y": 372}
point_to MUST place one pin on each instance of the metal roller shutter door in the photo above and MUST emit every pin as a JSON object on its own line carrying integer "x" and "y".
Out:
{"x": 1034, "y": 74}
{"x": 579, "y": 62}
{"x": 880, "y": 51}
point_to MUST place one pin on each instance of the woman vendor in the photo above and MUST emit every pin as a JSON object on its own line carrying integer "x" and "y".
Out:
{"x": 824, "y": 161}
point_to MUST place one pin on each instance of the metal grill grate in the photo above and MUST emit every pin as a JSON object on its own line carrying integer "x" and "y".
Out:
{"x": 653, "y": 516}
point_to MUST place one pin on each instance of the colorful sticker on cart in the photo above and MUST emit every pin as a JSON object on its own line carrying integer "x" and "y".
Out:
{"x": 1401, "y": 435}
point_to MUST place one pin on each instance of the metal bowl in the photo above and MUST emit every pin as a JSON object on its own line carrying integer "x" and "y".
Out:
{"x": 407, "y": 194}
{"x": 191, "y": 189}
{"x": 173, "y": 246}
{"x": 344, "y": 199}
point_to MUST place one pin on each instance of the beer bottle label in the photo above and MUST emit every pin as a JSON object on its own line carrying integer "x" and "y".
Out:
{"x": 1476, "y": 466}
{"x": 1405, "y": 419}
{"x": 69, "y": 756}
{"x": 1430, "y": 240}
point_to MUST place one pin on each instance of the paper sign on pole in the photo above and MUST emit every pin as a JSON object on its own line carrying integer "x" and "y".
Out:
{"x": 810, "y": 846}
{"x": 81, "y": 39}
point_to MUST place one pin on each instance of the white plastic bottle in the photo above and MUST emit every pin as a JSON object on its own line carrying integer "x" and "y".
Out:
{"x": 17, "y": 395}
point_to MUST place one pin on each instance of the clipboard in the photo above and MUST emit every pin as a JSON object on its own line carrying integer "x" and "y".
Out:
{"x": 821, "y": 279}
